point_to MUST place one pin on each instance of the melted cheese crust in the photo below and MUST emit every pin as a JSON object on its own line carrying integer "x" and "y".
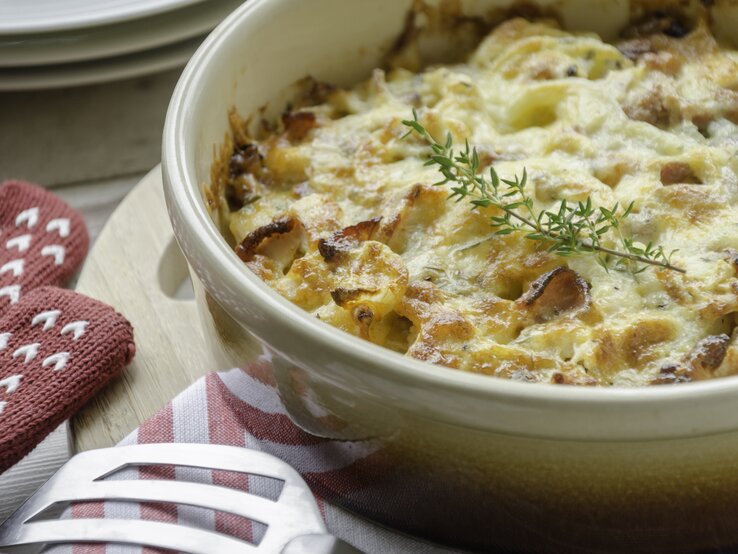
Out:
{"x": 340, "y": 215}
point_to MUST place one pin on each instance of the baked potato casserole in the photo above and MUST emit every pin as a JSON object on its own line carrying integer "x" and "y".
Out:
{"x": 335, "y": 207}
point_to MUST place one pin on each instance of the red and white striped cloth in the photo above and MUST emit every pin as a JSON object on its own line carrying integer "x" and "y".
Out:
{"x": 241, "y": 407}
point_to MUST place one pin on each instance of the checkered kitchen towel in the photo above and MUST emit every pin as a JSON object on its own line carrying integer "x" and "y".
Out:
{"x": 241, "y": 407}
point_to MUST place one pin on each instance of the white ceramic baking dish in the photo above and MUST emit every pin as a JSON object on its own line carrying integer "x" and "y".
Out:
{"x": 492, "y": 462}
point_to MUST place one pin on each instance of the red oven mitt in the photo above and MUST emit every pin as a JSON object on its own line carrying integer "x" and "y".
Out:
{"x": 42, "y": 241}
{"x": 57, "y": 347}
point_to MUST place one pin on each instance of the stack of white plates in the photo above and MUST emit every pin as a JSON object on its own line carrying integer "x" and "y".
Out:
{"x": 60, "y": 43}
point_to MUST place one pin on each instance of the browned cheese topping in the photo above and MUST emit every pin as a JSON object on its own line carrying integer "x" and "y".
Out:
{"x": 336, "y": 211}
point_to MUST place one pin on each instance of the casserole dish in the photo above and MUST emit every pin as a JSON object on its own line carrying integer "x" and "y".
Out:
{"x": 490, "y": 463}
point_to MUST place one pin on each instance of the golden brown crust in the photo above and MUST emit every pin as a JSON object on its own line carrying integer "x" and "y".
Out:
{"x": 437, "y": 323}
{"x": 655, "y": 107}
{"x": 634, "y": 346}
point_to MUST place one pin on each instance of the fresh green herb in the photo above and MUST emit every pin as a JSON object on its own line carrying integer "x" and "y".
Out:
{"x": 574, "y": 228}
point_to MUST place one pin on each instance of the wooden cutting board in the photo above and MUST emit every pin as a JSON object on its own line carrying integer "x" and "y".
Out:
{"x": 137, "y": 267}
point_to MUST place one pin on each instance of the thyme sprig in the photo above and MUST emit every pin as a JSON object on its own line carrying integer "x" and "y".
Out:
{"x": 572, "y": 229}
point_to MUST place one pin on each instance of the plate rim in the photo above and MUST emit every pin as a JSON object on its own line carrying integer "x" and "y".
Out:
{"x": 80, "y": 19}
{"x": 104, "y": 70}
{"x": 117, "y": 39}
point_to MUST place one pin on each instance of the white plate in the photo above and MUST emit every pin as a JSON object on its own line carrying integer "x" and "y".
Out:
{"x": 99, "y": 71}
{"x": 36, "y": 16}
{"x": 113, "y": 40}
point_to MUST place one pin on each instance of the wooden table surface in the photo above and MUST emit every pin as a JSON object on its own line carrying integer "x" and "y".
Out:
{"x": 137, "y": 268}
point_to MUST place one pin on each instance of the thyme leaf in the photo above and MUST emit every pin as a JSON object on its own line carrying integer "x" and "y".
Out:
{"x": 572, "y": 228}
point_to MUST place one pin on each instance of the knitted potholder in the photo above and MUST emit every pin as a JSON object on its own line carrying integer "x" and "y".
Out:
{"x": 57, "y": 349}
{"x": 42, "y": 241}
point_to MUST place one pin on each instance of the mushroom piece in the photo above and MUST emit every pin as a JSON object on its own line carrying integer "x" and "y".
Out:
{"x": 346, "y": 239}
{"x": 246, "y": 158}
{"x": 554, "y": 293}
{"x": 260, "y": 237}
{"x": 298, "y": 124}
{"x": 701, "y": 363}
{"x": 707, "y": 355}
{"x": 312, "y": 92}
{"x": 351, "y": 300}
{"x": 659, "y": 22}
{"x": 671, "y": 374}
{"x": 673, "y": 173}
{"x": 245, "y": 163}
{"x": 635, "y": 48}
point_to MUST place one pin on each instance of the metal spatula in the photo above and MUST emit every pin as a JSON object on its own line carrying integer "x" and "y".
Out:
{"x": 293, "y": 520}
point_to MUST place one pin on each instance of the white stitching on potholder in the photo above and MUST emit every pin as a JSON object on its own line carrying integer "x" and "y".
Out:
{"x": 11, "y": 383}
{"x": 77, "y": 327}
{"x": 30, "y": 351}
{"x": 62, "y": 225}
{"x": 59, "y": 360}
{"x": 29, "y": 217}
{"x": 21, "y": 242}
{"x": 56, "y": 250}
{"x": 15, "y": 266}
{"x": 12, "y": 292}
{"x": 48, "y": 318}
